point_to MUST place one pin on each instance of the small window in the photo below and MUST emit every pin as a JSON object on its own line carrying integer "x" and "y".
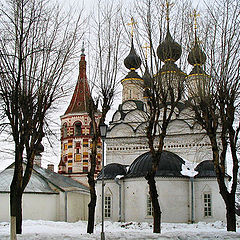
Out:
{"x": 85, "y": 142}
{"x": 70, "y": 143}
{"x": 149, "y": 206}
{"x": 78, "y": 145}
{"x": 107, "y": 206}
{"x": 207, "y": 205}
{"x": 78, "y": 129}
{"x": 65, "y": 146}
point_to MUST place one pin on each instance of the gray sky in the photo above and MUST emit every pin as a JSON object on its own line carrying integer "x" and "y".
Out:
{"x": 53, "y": 156}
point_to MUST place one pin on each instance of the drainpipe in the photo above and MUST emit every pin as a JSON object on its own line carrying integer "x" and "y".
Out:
{"x": 116, "y": 179}
{"x": 192, "y": 199}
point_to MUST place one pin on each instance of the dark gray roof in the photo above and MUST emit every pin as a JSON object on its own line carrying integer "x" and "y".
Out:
{"x": 205, "y": 169}
{"x": 170, "y": 165}
{"x": 36, "y": 184}
{"x": 59, "y": 180}
{"x": 132, "y": 74}
{"x": 112, "y": 170}
{"x": 136, "y": 105}
{"x": 41, "y": 180}
{"x": 197, "y": 70}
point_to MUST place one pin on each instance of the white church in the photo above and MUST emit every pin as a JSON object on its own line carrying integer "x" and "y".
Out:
{"x": 186, "y": 180}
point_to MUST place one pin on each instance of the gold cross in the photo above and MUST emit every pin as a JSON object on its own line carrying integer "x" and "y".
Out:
{"x": 195, "y": 15}
{"x": 168, "y": 5}
{"x": 146, "y": 46}
{"x": 132, "y": 23}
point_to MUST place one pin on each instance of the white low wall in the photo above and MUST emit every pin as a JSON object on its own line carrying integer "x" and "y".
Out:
{"x": 49, "y": 206}
{"x": 35, "y": 206}
{"x": 174, "y": 198}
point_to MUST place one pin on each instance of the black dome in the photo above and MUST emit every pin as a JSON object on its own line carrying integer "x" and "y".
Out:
{"x": 147, "y": 78}
{"x": 205, "y": 169}
{"x": 112, "y": 170}
{"x": 196, "y": 55}
{"x": 170, "y": 165}
{"x": 132, "y": 61}
{"x": 169, "y": 49}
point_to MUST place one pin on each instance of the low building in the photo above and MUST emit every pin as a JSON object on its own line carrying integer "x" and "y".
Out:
{"x": 48, "y": 196}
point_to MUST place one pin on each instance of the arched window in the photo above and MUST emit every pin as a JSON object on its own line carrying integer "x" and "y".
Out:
{"x": 65, "y": 130}
{"x": 77, "y": 129}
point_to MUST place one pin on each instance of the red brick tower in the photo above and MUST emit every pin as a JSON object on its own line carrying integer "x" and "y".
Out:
{"x": 76, "y": 131}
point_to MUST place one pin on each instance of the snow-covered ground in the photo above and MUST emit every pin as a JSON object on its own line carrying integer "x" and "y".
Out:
{"x": 44, "y": 230}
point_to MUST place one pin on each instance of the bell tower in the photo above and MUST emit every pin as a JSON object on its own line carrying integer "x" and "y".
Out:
{"x": 76, "y": 131}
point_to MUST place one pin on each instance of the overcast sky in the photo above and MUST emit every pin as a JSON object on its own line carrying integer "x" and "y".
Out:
{"x": 50, "y": 156}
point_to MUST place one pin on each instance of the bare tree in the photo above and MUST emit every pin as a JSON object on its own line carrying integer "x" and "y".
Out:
{"x": 107, "y": 34}
{"x": 38, "y": 43}
{"x": 165, "y": 83}
{"x": 215, "y": 100}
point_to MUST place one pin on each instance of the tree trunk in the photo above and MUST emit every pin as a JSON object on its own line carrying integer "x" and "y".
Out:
{"x": 16, "y": 209}
{"x": 92, "y": 203}
{"x": 19, "y": 214}
{"x": 156, "y": 207}
{"x": 231, "y": 214}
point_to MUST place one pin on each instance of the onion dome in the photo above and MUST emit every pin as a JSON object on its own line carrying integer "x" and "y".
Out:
{"x": 169, "y": 49}
{"x": 197, "y": 58}
{"x": 147, "y": 82}
{"x": 170, "y": 165}
{"x": 112, "y": 170}
{"x": 205, "y": 169}
{"x": 196, "y": 55}
{"x": 132, "y": 61}
{"x": 147, "y": 78}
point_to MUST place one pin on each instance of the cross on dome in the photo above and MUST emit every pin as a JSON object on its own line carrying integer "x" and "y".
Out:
{"x": 195, "y": 15}
{"x": 168, "y": 5}
{"x": 146, "y": 46}
{"x": 132, "y": 23}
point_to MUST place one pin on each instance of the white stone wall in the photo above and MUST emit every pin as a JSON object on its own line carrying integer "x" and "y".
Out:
{"x": 111, "y": 189}
{"x": 124, "y": 150}
{"x": 48, "y": 206}
{"x": 132, "y": 89}
{"x": 35, "y": 206}
{"x": 174, "y": 197}
{"x": 126, "y": 139}
{"x": 77, "y": 206}
{"x": 210, "y": 185}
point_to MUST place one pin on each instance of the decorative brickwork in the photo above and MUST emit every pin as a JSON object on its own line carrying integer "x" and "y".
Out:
{"x": 76, "y": 132}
